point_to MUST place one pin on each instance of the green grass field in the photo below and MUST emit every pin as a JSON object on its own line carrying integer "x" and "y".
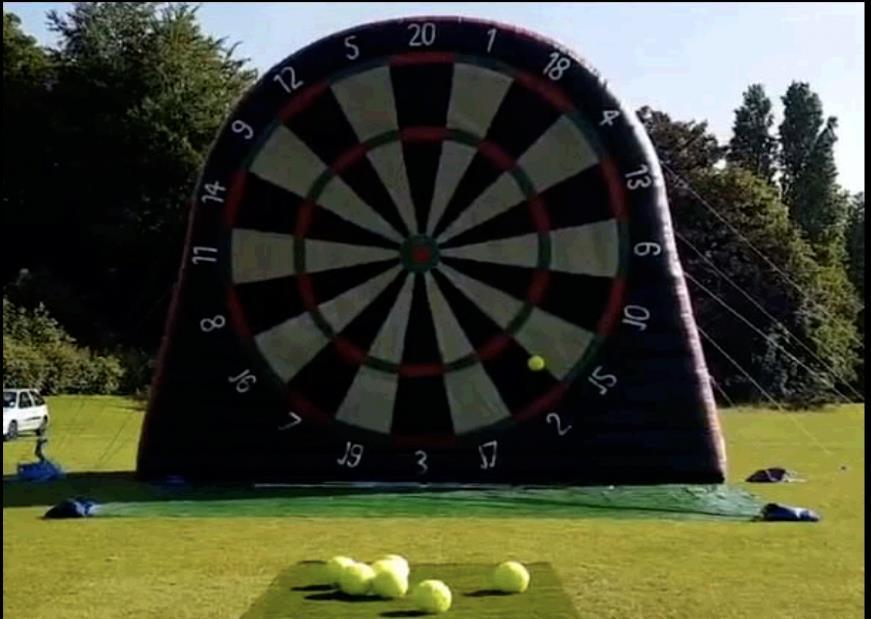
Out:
{"x": 211, "y": 568}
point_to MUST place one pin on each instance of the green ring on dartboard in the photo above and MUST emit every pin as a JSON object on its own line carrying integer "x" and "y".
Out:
{"x": 514, "y": 142}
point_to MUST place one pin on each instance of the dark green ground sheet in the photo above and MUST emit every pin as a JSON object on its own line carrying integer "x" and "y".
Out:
{"x": 121, "y": 496}
{"x": 300, "y": 591}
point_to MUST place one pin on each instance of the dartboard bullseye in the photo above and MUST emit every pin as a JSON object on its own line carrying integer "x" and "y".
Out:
{"x": 391, "y": 224}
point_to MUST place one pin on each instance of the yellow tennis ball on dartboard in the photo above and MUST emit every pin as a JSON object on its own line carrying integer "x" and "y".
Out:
{"x": 535, "y": 363}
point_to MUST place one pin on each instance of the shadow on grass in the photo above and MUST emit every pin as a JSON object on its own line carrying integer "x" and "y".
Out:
{"x": 486, "y": 593}
{"x": 123, "y": 487}
{"x": 338, "y": 596}
{"x": 313, "y": 588}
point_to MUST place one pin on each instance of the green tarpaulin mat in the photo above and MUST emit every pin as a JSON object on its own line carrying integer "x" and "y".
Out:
{"x": 300, "y": 591}
{"x": 718, "y": 501}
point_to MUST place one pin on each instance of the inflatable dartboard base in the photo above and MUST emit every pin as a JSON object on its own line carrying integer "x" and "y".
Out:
{"x": 389, "y": 226}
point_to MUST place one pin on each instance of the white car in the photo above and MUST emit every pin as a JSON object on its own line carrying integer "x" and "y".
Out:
{"x": 23, "y": 410}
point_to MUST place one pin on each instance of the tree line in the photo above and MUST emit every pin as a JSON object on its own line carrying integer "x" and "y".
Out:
{"x": 105, "y": 132}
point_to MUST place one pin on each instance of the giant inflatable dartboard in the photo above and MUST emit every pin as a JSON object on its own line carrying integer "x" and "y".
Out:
{"x": 389, "y": 226}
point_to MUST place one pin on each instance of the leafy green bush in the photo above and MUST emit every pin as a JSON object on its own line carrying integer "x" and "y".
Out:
{"x": 37, "y": 352}
{"x": 138, "y": 367}
{"x": 23, "y": 365}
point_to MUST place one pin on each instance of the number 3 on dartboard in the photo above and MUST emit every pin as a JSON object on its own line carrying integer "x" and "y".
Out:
{"x": 488, "y": 454}
{"x": 353, "y": 455}
{"x": 421, "y": 461}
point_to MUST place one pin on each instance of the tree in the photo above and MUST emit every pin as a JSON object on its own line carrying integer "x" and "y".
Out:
{"x": 26, "y": 80}
{"x": 813, "y": 305}
{"x": 809, "y": 178}
{"x": 856, "y": 243}
{"x": 24, "y": 62}
{"x": 139, "y": 94}
{"x": 856, "y": 269}
{"x": 682, "y": 146}
{"x": 752, "y": 146}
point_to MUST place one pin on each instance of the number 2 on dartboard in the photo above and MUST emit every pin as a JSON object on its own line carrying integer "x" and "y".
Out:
{"x": 554, "y": 418}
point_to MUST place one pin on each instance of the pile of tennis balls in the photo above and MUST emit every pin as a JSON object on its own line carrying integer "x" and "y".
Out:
{"x": 388, "y": 578}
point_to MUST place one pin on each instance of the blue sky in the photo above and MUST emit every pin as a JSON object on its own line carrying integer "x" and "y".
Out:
{"x": 691, "y": 60}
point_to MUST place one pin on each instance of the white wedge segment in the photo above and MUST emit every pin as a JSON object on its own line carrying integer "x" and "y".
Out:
{"x": 285, "y": 161}
{"x": 476, "y": 94}
{"x": 559, "y": 342}
{"x": 367, "y": 100}
{"x": 474, "y": 399}
{"x": 289, "y": 346}
{"x": 259, "y": 256}
{"x": 591, "y": 249}
{"x": 455, "y": 159}
{"x": 326, "y": 255}
{"x": 389, "y": 162}
{"x": 497, "y": 198}
{"x": 561, "y": 151}
{"x": 370, "y": 400}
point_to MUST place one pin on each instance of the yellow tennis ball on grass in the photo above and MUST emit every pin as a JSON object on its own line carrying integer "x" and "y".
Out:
{"x": 432, "y": 596}
{"x": 511, "y": 577}
{"x": 357, "y": 579}
{"x": 536, "y": 363}
{"x": 400, "y": 562}
{"x": 336, "y": 566}
{"x": 390, "y": 580}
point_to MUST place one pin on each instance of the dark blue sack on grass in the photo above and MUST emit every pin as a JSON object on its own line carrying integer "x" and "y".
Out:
{"x": 76, "y": 507}
{"x": 774, "y": 512}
